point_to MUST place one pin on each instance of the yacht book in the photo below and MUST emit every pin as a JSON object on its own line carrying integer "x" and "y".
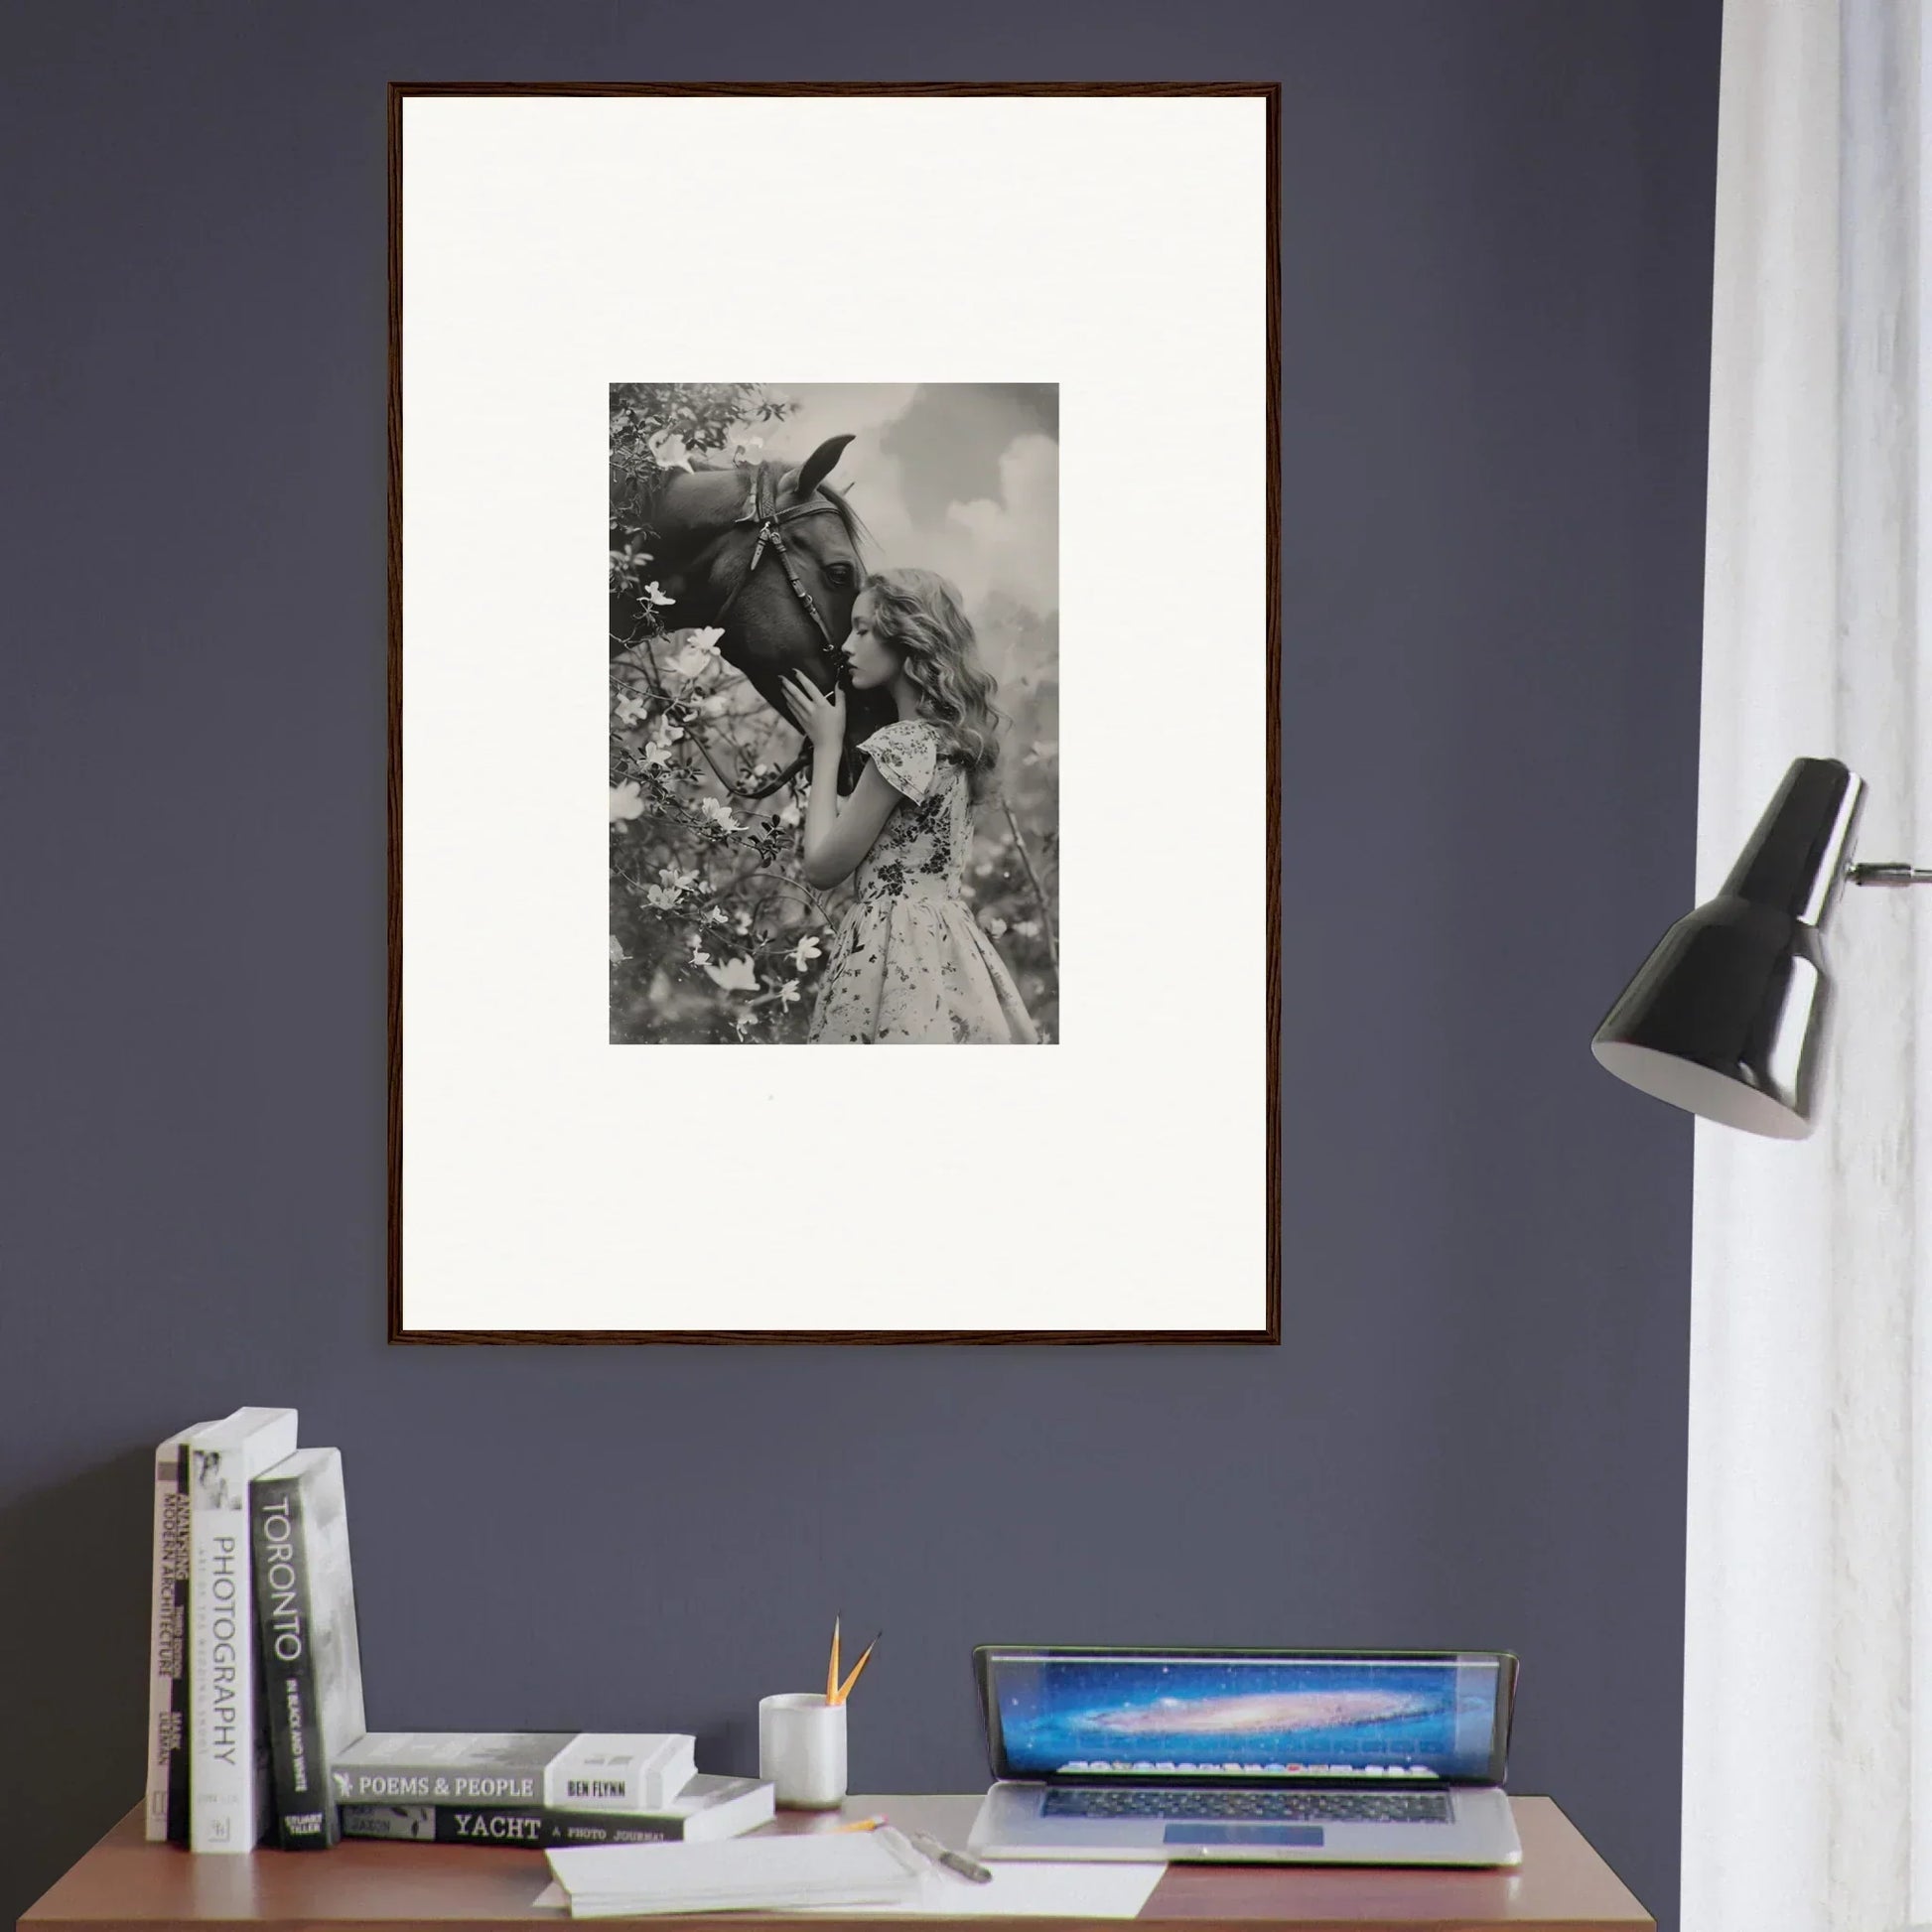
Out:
{"x": 563, "y": 1771}
{"x": 706, "y": 1809}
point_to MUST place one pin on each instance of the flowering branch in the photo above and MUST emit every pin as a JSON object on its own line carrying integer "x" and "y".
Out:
{"x": 1040, "y": 896}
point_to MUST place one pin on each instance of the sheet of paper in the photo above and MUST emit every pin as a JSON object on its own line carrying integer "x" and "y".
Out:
{"x": 1021, "y": 1888}
{"x": 781, "y": 1872}
{"x": 1032, "y": 1888}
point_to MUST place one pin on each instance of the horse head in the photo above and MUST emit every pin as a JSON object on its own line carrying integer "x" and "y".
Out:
{"x": 767, "y": 552}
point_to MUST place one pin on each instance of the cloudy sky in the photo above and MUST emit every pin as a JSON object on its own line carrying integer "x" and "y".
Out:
{"x": 958, "y": 477}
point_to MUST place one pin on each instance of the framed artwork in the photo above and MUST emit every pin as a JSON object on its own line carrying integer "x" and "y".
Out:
{"x": 916, "y": 449}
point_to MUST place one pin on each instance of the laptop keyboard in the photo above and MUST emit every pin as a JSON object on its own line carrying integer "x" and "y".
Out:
{"x": 1379, "y": 1807}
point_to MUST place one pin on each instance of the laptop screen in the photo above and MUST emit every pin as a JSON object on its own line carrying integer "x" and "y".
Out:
{"x": 1192, "y": 1716}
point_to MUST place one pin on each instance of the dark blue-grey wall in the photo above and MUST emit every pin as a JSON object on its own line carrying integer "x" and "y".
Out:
{"x": 1496, "y": 249}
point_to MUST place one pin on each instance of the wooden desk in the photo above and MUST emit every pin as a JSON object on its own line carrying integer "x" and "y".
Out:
{"x": 127, "y": 1885}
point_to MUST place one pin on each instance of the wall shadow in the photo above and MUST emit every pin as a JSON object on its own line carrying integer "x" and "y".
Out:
{"x": 73, "y": 1629}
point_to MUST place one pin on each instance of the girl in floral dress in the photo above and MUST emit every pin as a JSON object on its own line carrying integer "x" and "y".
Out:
{"x": 910, "y": 965}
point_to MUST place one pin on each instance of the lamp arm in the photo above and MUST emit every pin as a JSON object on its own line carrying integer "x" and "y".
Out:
{"x": 1891, "y": 873}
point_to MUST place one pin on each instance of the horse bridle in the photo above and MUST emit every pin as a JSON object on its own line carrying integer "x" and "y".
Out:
{"x": 762, "y": 510}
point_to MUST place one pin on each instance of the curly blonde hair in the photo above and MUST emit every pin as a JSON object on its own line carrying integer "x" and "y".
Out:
{"x": 921, "y": 614}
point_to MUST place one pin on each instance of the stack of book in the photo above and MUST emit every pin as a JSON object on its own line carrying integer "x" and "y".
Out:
{"x": 538, "y": 1788}
{"x": 256, "y": 1728}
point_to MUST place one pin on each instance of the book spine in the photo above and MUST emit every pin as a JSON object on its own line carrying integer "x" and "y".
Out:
{"x": 620, "y": 1789}
{"x": 588, "y": 1775}
{"x": 539, "y": 1827}
{"x": 180, "y": 1809}
{"x": 222, "y": 1669}
{"x": 305, "y": 1813}
{"x": 422, "y": 1784}
{"x": 168, "y": 1640}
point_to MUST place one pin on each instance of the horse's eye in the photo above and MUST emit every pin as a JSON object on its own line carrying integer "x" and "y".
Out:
{"x": 839, "y": 572}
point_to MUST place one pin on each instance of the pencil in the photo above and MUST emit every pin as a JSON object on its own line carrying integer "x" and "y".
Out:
{"x": 865, "y": 1657}
{"x": 832, "y": 1668}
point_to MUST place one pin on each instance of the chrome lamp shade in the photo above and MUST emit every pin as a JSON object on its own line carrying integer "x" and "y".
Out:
{"x": 1727, "y": 1016}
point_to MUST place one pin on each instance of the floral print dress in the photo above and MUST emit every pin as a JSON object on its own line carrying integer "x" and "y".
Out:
{"x": 910, "y": 965}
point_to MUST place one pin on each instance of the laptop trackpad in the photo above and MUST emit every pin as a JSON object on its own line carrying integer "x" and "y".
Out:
{"x": 1244, "y": 1835}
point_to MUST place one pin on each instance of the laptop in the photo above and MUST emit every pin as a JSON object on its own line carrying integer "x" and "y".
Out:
{"x": 1250, "y": 1756}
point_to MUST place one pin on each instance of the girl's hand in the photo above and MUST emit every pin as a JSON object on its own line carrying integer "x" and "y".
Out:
{"x": 819, "y": 715}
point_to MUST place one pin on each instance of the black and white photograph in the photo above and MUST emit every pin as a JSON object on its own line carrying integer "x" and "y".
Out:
{"x": 834, "y": 714}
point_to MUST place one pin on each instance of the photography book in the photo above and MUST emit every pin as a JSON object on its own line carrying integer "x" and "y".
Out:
{"x": 707, "y": 1809}
{"x": 560, "y": 1770}
{"x": 165, "y": 1812}
{"x": 227, "y": 1770}
{"x": 305, "y": 1620}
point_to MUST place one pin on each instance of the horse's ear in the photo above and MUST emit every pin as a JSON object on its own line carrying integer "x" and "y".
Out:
{"x": 820, "y": 465}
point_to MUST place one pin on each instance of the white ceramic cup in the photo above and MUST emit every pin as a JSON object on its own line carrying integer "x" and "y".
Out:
{"x": 801, "y": 1750}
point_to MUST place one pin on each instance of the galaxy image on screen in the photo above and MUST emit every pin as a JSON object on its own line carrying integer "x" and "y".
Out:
{"x": 1247, "y": 1717}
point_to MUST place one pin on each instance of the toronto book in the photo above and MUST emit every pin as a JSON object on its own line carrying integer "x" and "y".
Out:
{"x": 305, "y": 1621}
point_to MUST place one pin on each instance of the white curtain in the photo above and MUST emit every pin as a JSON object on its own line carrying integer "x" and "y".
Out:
{"x": 1808, "y": 1664}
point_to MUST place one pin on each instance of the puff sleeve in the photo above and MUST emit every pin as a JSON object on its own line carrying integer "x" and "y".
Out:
{"x": 907, "y": 757}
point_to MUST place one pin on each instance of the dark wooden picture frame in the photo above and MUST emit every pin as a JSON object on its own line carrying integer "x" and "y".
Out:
{"x": 1270, "y": 1333}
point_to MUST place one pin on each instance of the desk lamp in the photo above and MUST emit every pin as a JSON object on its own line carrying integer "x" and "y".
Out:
{"x": 1727, "y": 1016}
